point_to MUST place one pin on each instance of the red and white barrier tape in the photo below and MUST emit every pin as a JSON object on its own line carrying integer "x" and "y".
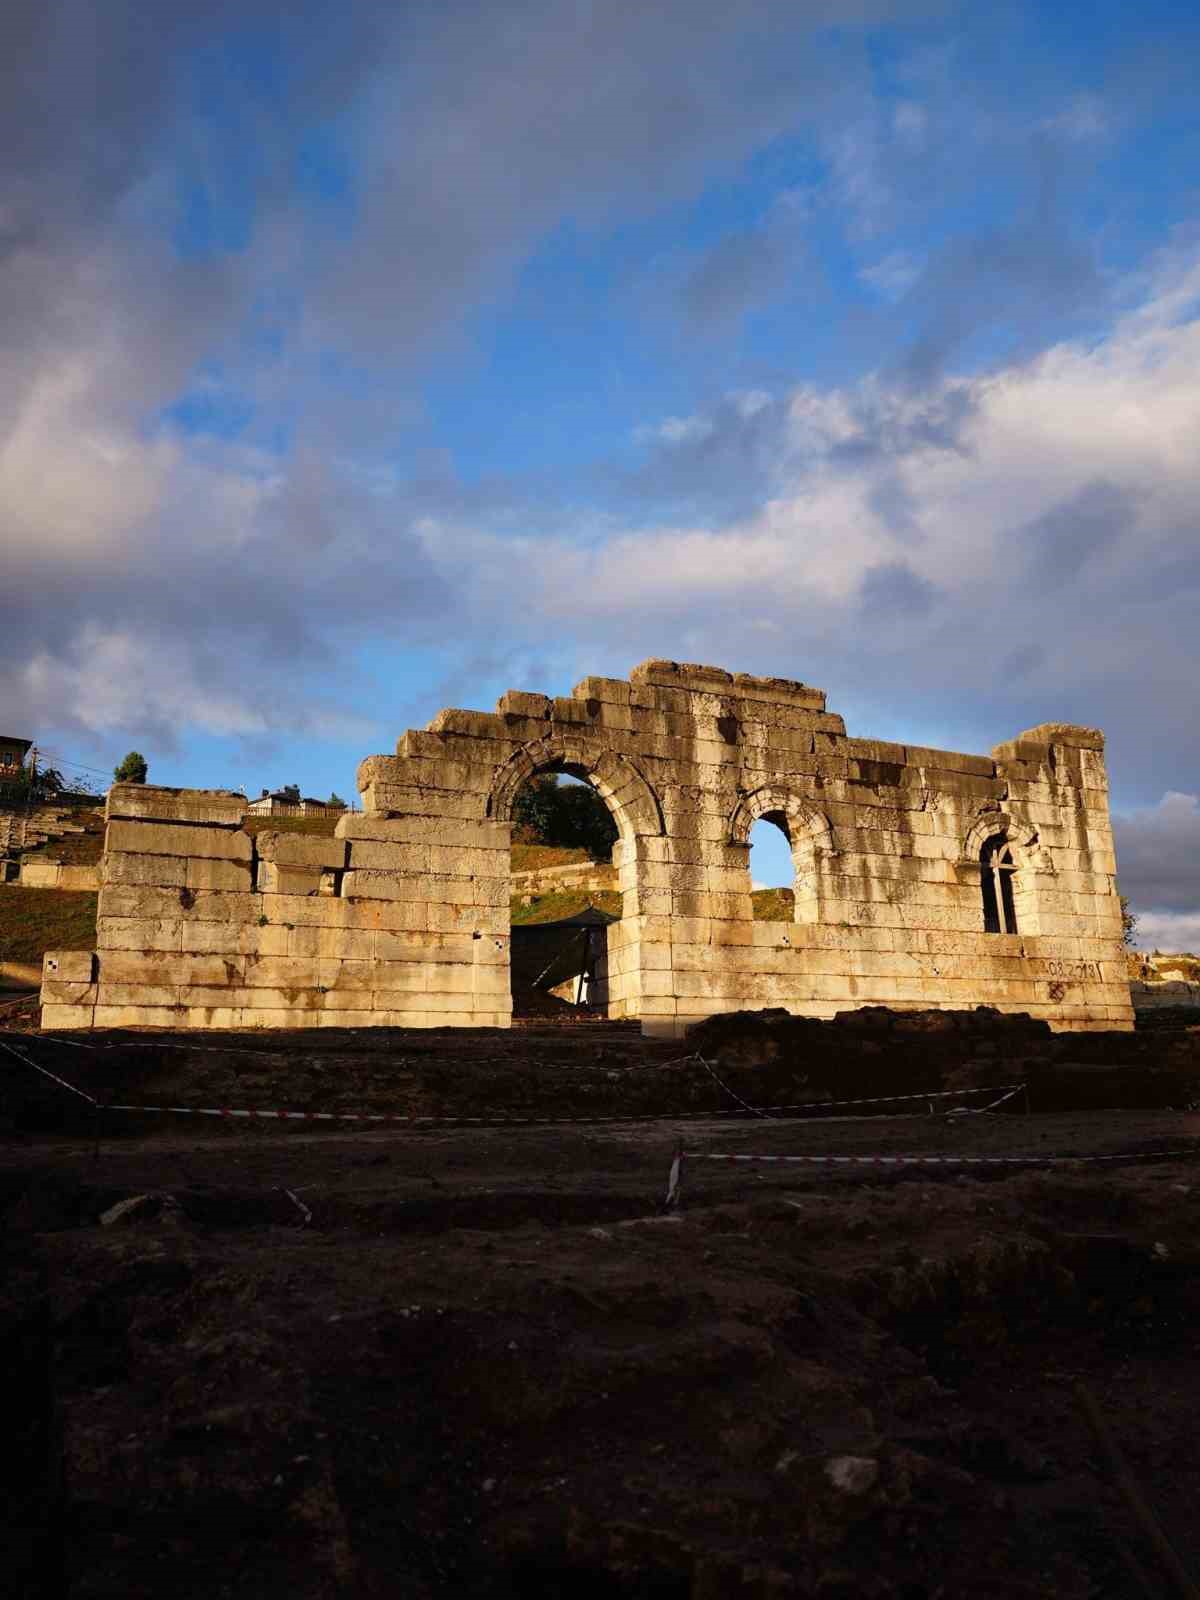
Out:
{"x": 502, "y": 1121}
{"x": 675, "y": 1177}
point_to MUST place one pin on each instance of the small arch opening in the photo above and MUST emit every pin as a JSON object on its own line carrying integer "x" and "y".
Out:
{"x": 772, "y": 871}
{"x": 998, "y": 872}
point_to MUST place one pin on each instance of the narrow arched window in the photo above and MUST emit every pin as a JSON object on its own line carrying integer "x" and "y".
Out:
{"x": 998, "y": 871}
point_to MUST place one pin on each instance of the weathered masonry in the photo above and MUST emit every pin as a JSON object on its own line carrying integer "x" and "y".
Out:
{"x": 922, "y": 877}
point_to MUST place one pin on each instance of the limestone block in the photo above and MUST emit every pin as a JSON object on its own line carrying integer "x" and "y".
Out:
{"x": 154, "y": 802}
{"x": 167, "y": 968}
{"x": 334, "y": 972}
{"x": 140, "y": 933}
{"x": 234, "y": 938}
{"x": 281, "y": 972}
{"x": 260, "y": 997}
{"x": 950, "y": 761}
{"x": 143, "y": 871}
{"x": 368, "y": 884}
{"x": 491, "y": 983}
{"x": 64, "y": 1017}
{"x": 413, "y": 799}
{"x": 876, "y": 751}
{"x": 220, "y": 906}
{"x": 301, "y": 850}
{"x": 386, "y": 857}
{"x": 347, "y": 944}
{"x": 230, "y": 877}
{"x": 469, "y": 724}
{"x": 168, "y": 839}
{"x": 68, "y": 966}
{"x": 488, "y": 921}
{"x": 67, "y": 994}
{"x": 225, "y": 1018}
{"x": 275, "y": 879}
{"x": 1069, "y": 734}
{"x": 424, "y": 830}
{"x": 137, "y": 1017}
{"x": 514, "y": 702}
{"x": 137, "y": 994}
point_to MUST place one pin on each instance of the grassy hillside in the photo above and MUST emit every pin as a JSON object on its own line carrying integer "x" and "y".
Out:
{"x": 770, "y": 905}
{"x": 324, "y": 827}
{"x": 75, "y": 849}
{"x": 533, "y": 857}
{"x": 33, "y": 921}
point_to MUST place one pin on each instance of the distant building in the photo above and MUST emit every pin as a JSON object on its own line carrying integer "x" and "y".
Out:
{"x": 12, "y": 757}
{"x": 290, "y": 802}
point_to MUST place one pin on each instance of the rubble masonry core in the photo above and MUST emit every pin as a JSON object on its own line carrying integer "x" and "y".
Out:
{"x": 923, "y": 878}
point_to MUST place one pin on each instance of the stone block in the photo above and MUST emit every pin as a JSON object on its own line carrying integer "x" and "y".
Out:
{"x": 224, "y": 1018}
{"x": 138, "y": 1016}
{"x": 347, "y": 944}
{"x": 140, "y": 933}
{"x": 65, "y": 1017}
{"x": 469, "y": 724}
{"x": 68, "y": 966}
{"x": 236, "y": 938}
{"x": 302, "y": 850}
{"x": 275, "y": 879}
{"x": 170, "y": 839}
{"x": 229, "y": 877}
{"x": 516, "y": 703}
{"x": 281, "y": 972}
{"x": 376, "y": 856}
{"x": 137, "y": 994}
{"x": 369, "y": 884}
{"x": 165, "y": 967}
{"x": 156, "y": 803}
{"x": 129, "y": 870}
{"x": 67, "y": 994}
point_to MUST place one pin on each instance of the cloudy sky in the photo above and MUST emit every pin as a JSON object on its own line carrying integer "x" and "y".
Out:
{"x": 361, "y": 360}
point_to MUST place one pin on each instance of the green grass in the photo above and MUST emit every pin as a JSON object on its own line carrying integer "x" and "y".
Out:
{"x": 75, "y": 849}
{"x": 770, "y": 905}
{"x": 534, "y": 857}
{"x": 565, "y": 903}
{"x": 33, "y": 921}
{"x": 774, "y": 905}
{"x": 324, "y": 827}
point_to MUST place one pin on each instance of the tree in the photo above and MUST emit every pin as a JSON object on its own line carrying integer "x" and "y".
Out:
{"x": 1129, "y": 921}
{"x": 569, "y": 815}
{"x": 335, "y": 802}
{"x": 133, "y": 769}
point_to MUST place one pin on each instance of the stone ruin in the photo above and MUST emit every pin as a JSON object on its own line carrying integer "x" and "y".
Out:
{"x": 923, "y": 878}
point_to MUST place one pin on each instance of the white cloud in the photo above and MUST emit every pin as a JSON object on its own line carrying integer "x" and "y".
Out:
{"x": 1175, "y": 932}
{"x": 1035, "y": 526}
{"x": 1083, "y": 117}
{"x": 893, "y": 275}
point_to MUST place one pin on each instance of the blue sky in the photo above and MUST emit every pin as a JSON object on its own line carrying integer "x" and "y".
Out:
{"x": 363, "y": 362}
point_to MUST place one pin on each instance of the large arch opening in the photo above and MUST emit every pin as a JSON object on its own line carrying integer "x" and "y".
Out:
{"x": 578, "y": 819}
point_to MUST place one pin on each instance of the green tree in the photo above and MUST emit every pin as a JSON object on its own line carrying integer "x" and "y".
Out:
{"x": 1129, "y": 920}
{"x": 133, "y": 769}
{"x": 571, "y": 816}
{"x": 335, "y": 800}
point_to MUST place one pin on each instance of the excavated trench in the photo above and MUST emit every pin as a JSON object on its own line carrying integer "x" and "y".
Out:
{"x": 191, "y": 1362}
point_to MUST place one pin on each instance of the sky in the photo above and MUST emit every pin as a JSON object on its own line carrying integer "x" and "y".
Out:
{"x": 364, "y": 360}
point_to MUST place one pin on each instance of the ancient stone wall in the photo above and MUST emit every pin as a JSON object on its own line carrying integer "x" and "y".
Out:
{"x": 402, "y": 919}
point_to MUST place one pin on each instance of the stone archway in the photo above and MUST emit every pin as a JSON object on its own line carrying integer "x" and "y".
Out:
{"x": 634, "y": 805}
{"x": 635, "y": 810}
{"x": 808, "y": 832}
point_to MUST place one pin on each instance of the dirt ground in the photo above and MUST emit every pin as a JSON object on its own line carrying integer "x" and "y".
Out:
{"x": 431, "y": 1360}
